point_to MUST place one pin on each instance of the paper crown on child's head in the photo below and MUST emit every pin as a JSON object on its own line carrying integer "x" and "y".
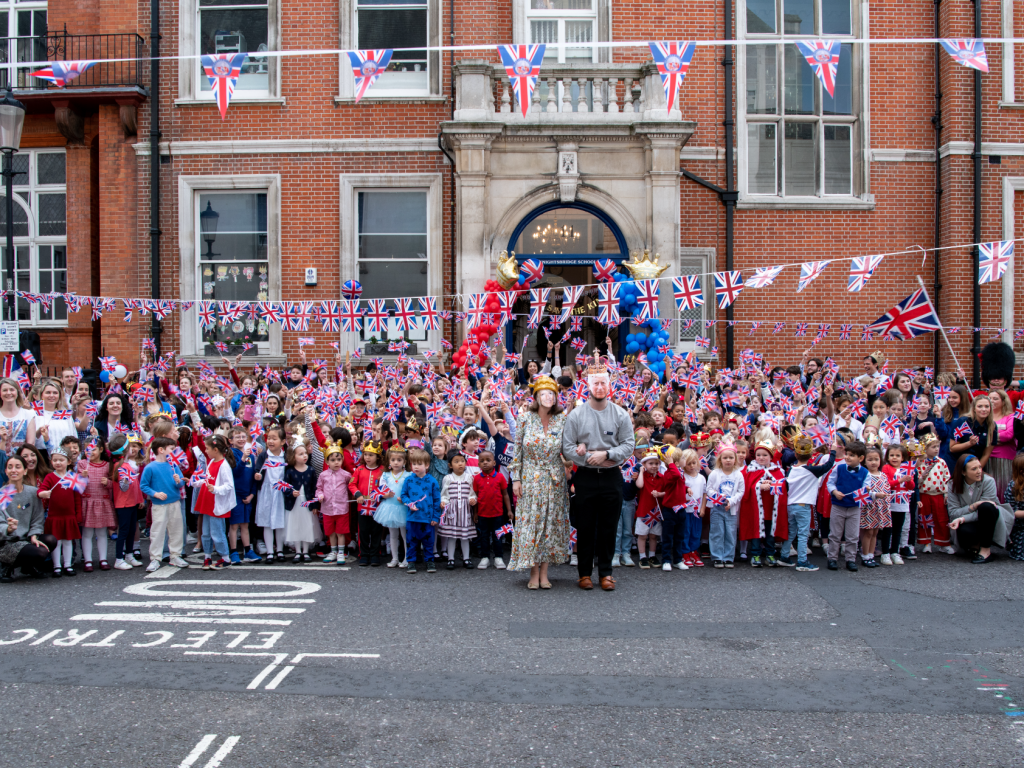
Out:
{"x": 724, "y": 446}
{"x": 700, "y": 440}
{"x": 542, "y": 383}
{"x": 789, "y": 434}
{"x": 914, "y": 448}
{"x": 651, "y": 455}
{"x": 333, "y": 448}
{"x": 803, "y": 447}
{"x": 412, "y": 425}
{"x": 372, "y": 446}
{"x": 767, "y": 445}
{"x": 927, "y": 439}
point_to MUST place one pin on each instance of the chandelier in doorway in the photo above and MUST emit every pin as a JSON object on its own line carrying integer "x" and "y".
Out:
{"x": 555, "y": 237}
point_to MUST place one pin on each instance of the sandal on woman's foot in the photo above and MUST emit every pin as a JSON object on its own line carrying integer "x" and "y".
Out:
{"x": 545, "y": 585}
{"x": 532, "y": 585}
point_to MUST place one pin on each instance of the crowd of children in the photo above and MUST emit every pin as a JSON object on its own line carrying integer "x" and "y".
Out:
{"x": 401, "y": 466}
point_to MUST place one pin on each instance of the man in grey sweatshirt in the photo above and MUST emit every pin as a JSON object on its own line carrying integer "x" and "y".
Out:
{"x": 597, "y": 438}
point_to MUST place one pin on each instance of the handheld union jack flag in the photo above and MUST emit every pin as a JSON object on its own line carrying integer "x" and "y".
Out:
{"x": 687, "y": 292}
{"x": 968, "y": 51}
{"x": 862, "y": 496}
{"x": 522, "y": 63}
{"x": 60, "y": 73}
{"x": 507, "y": 528}
{"x": 647, "y": 298}
{"x": 823, "y": 56}
{"x": 891, "y": 426}
{"x": 673, "y": 61}
{"x": 367, "y": 66}
{"x": 718, "y": 499}
{"x": 810, "y": 272}
{"x": 223, "y": 70}
{"x": 702, "y": 342}
{"x": 727, "y": 287}
{"x": 282, "y": 486}
{"x": 428, "y": 311}
{"x": 608, "y": 304}
{"x": 376, "y": 317}
{"x": 861, "y": 270}
{"x": 912, "y": 317}
{"x": 993, "y": 258}
{"x": 963, "y": 431}
{"x": 763, "y": 277}
{"x": 1019, "y": 413}
{"x": 604, "y": 270}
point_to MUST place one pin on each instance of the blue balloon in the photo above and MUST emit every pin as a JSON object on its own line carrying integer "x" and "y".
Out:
{"x": 104, "y": 376}
{"x": 632, "y": 348}
{"x": 630, "y": 337}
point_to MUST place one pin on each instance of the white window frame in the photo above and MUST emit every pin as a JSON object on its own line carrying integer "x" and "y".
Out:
{"x": 703, "y": 260}
{"x": 12, "y": 7}
{"x": 562, "y": 16}
{"x": 33, "y": 240}
{"x": 351, "y": 185}
{"x": 523, "y": 13}
{"x": 190, "y": 74}
{"x": 1010, "y": 97}
{"x": 349, "y": 35}
{"x": 860, "y": 197}
{"x": 189, "y": 241}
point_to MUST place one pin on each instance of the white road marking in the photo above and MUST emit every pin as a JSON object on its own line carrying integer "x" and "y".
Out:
{"x": 297, "y": 589}
{"x": 325, "y": 566}
{"x": 163, "y": 618}
{"x": 224, "y": 751}
{"x": 252, "y": 686}
{"x": 300, "y": 656}
{"x": 207, "y": 607}
{"x": 105, "y": 642}
{"x": 163, "y": 572}
{"x": 46, "y": 637}
{"x": 198, "y": 750}
{"x": 280, "y": 676}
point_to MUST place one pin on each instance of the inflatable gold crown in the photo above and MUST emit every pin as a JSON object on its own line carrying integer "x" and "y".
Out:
{"x": 508, "y": 269}
{"x": 644, "y": 268}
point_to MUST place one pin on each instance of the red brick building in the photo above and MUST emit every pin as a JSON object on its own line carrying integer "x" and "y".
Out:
{"x": 421, "y": 185}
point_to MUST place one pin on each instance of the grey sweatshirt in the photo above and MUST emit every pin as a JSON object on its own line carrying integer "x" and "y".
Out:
{"x": 607, "y": 430}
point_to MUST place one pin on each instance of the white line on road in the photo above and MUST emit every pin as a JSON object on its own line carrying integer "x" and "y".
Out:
{"x": 322, "y": 566}
{"x": 163, "y": 618}
{"x": 295, "y": 589}
{"x": 198, "y": 750}
{"x": 163, "y": 572}
{"x": 300, "y": 656}
{"x": 280, "y": 676}
{"x": 208, "y": 607}
{"x": 224, "y": 751}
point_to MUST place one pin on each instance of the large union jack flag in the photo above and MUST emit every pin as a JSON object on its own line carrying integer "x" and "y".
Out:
{"x": 648, "y": 293}
{"x": 608, "y": 304}
{"x": 861, "y": 270}
{"x": 673, "y": 61}
{"x": 912, "y": 317}
{"x": 810, "y": 272}
{"x": 687, "y": 292}
{"x": 61, "y": 73}
{"x": 727, "y": 287}
{"x": 367, "y": 66}
{"x": 823, "y": 56}
{"x": 993, "y": 259}
{"x": 223, "y": 70}
{"x": 968, "y": 51}
{"x": 522, "y": 63}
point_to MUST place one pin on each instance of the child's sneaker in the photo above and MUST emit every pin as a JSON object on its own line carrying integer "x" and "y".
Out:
{"x": 682, "y": 566}
{"x": 261, "y": 547}
{"x": 121, "y": 565}
{"x": 729, "y": 564}
{"x": 252, "y": 557}
{"x": 221, "y": 564}
{"x": 886, "y": 559}
{"x": 207, "y": 564}
{"x": 178, "y": 562}
{"x": 482, "y": 565}
{"x": 771, "y": 561}
{"x": 627, "y": 561}
{"x": 947, "y": 550}
{"x": 654, "y": 561}
{"x": 411, "y": 568}
{"x": 785, "y": 562}
{"x": 666, "y": 566}
{"x": 235, "y": 557}
{"x": 911, "y": 553}
{"x": 755, "y": 561}
{"x": 134, "y": 562}
{"x": 718, "y": 564}
{"x": 430, "y": 567}
{"x": 896, "y": 559}
{"x": 927, "y": 548}
{"x": 154, "y": 565}
{"x": 806, "y": 566}
{"x": 573, "y": 560}
{"x": 696, "y": 562}
{"x": 499, "y": 564}
{"x": 616, "y": 561}
{"x": 645, "y": 564}
{"x": 331, "y": 557}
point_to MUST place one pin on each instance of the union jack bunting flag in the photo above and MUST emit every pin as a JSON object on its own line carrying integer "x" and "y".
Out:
{"x": 376, "y": 317}
{"x": 823, "y": 56}
{"x": 608, "y": 304}
{"x": 296, "y": 315}
{"x": 647, "y": 299}
{"x": 867, "y": 334}
{"x": 861, "y": 270}
{"x": 367, "y": 66}
{"x": 270, "y": 311}
{"x": 968, "y": 51}
{"x": 844, "y": 331}
{"x": 687, "y": 292}
{"x": 570, "y": 295}
{"x": 538, "y": 300}
{"x": 60, "y": 73}
{"x": 727, "y": 287}
{"x": 993, "y": 258}
{"x": 823, "y": 330}
{"x": 404, "y": 314}
{"x": 604, "y": 270}
{"x": 522, "y": 64}
{"x": 428, "y": 312}
{"x": 576, "y": 325}
{"x": 912, "y": 317}
{"x": 810, "y": 272}
{"x": 801, "y": 329}
{"x": 779, "y": 327}
{"x": 763, "y": 277}
{"x": 673, "y": 61}
{"x": 507, "y": 300}
{"x": 330, "y": 316}
{"x": 754, "y": 326}
{"x": 223, "y": 70}
{"x": 476, "y": 308}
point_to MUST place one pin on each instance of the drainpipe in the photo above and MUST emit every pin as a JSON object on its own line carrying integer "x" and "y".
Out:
{"x": 154, "y": 161}
{"x": 976, "y": 157}
{"x": 730, "y": 195}
{"x": 937, "y": 124}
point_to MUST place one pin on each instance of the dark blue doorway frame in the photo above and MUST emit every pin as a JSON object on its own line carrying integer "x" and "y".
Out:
{"x": 566, "y": 259}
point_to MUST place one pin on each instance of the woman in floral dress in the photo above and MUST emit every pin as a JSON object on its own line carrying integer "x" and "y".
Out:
{"x": 538, "y": 481}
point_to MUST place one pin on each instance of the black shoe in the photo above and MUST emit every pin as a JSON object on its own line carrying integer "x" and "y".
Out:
{"x": 851, "y": 565}
{"x": 467, "y": 564}
{"x": 430, "y": 567}
{"x": 364, "y": 562}
{"x": 654, "y": 561}
{"x": 297, "y": 558}
{"x": 269, "y": 559}
{"x": 870, "y": 563}
{"x": 7, "y": 574}
{"x": 374, "y": 561}
{"x": 411, "y": 568}
{"x": 979, "y": 560}
{"x": 718, "y": 564}
{"x": 833, "y": 565}
{"x": 450, "y": 566}
{"x": 69, "y": 571}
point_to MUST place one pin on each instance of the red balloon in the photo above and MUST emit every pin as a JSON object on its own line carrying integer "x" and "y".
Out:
{"x": 483, "y": 337}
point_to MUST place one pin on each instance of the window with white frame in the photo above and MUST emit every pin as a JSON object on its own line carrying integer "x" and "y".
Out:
{"x": 40, "y": 234}
{"x": 235, "y": 26}
{"x": 799, "y": 141}
{"x": 23, "y": 23}
{"x": 395, "y": 24}
{"x": 1013, "y": 54}
{"x": 232, "y": 260}
{"x": 392, "y": 251}
{"x": 567, "y": 27}
{"x": 695, "y": 261}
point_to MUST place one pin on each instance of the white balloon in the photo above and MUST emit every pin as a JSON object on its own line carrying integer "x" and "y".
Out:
{"x": 120, "y": 371}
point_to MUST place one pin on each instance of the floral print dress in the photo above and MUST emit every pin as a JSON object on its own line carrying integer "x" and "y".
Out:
{"x": 542, "y": 513}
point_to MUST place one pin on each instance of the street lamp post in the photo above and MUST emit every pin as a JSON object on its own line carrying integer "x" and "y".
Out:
{"x": 12, "y": 120}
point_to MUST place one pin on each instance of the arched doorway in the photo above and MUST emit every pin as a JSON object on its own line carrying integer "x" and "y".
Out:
{"x": 567, "y": 238}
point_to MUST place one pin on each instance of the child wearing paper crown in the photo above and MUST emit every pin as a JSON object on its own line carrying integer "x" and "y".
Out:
{"x": 392, "y": 513}
{"x": 332, "y": 493}
{"x": 672, "y": 498}
{"x": 364, "y": 480}
{"x": 724, "y": 493}
{"x": 763, "y": 518}
{"x": 648, "y": 509}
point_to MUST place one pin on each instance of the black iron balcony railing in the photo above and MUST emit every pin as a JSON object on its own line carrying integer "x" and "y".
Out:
{"x": 127, "y": 49}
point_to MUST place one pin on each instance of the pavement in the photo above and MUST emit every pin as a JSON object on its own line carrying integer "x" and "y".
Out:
{"x": 344, "y": 666}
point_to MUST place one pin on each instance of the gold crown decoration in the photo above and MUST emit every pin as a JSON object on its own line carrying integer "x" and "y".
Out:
{"x": 665, "y": 452}
{"x": 651, "y": 455}
{"x": 412, "y": 425}
{"x": 508, "y": 269}
{"x": 914, "y": 448}
{"x": 544, "y": 382}
{"x": 700, "y": 440}
{"x": 372, "y": 447}
{"x": 333, "y": 448}
{"x": 643, "y": 268}
{"x": 767, "y": 444}
{"x": 927, "y": 439}
{"x": 596, "y": 367}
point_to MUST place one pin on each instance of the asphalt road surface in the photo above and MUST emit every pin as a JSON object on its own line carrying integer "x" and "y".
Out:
{"x": 919, "y": 665}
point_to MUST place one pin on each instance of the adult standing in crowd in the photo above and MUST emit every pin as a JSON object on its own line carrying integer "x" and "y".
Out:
{"x": 597, "y": 438}
{"x": 538, "y": 481}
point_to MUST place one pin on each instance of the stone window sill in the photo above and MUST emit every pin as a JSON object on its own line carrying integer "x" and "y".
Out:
{"x": 424, "y": 99}
{"x": 838, "y": 203}
{"x": 265, "y": 100}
